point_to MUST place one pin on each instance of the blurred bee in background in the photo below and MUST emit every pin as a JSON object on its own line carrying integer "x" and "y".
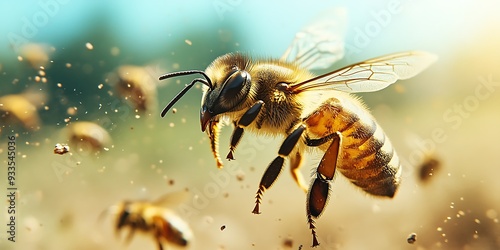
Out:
{"x": 86, "y": 135}
{"x": 153, "y": 218}
{"x": 282, "y": 97}
{"x": 135, "y": 85}
{"x": 22, "y": 109}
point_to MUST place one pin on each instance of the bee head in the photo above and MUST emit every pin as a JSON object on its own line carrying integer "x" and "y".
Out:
{"x": 225, "y": 90}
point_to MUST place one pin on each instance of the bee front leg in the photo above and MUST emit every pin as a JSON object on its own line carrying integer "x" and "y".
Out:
{"x": 274, "y": 169}
{"x": 320, "y": 188}
{"x": 245, "y": 120}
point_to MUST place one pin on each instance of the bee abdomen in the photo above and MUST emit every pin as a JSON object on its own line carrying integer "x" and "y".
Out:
{"x": 368, "y": 159}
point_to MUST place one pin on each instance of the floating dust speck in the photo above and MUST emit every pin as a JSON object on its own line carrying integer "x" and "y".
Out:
{"x": 288, "y": 242}
{"x": 208, "y": 219}
{"x": 188, "y": 42}
{"x": 174, "y": 110}
{"x": 412, "y": 238}
{"x": 72, "y": 110}
{"x": 115, "y": 51}
{"x": 37, "y": 78}
{"x": 223, "y": 227}
{"x": 61, "y": 149}
{"x": 428, "y": 168}
{"x": 491, "y": 214}
{"x": 89, "y": 46}
{"x": 100, "y": 86}
{"x": 68, "y": 65}
{"x": 137, "y": 116}
{"x": 240, "y": 176}
{"x": 171, "y": 124}
{"x": 171, "y": 182}
{"x": 225, "y": 194}
{"x": 20, "y": 58}
{"x": 477, "y": 221}
{"x": 41, "y": 72}
{"x": 59, "y": 85}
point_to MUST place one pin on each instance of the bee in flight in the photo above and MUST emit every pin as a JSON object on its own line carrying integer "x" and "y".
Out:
{"x": 153, "y": 218}
{"x": 281, "y": 97}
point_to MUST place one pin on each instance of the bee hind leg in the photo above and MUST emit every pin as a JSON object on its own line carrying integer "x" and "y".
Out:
{"x": 317, "y": 197}
{"x": 247, "y": 118}
{"x": 274, "y": 169}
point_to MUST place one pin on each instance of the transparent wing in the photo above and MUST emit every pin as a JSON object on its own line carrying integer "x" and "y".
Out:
{"x": 371, "y": 75}
{"x": 321, "y": 43}
{"x": 172, "y": 199}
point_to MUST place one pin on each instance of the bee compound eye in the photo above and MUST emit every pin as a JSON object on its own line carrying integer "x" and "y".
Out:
{"x": 234, "y": 83}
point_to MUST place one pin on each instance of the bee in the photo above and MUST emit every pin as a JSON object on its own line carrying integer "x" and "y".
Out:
{"x": 153, "y": 218}
{"x": 86, "y": 135}
{"x": 22, "y": 109}
{"x": 135, "y": 84}
{"x": 282, "y": 97}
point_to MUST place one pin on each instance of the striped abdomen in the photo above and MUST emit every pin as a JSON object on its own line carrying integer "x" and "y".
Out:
{"x": 367, "y": 157}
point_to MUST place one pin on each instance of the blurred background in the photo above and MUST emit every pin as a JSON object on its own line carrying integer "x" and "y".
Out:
{"x": 61, "y": 64}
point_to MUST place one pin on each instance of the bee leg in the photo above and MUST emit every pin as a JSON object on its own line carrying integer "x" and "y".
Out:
{"x": 319, "y": 191}
{"x": 130, "y": 234}
{"x": 245, "y": 120}
{"x": 295, "y": 164}
{"x": 274, "y": 169}
{"x": 160, "y": 246}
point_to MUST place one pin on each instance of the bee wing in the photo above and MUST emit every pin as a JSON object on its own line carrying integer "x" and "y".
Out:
{"x": 321, "y": 43}
{"x": 371, "y": 75}
{"x": 172, "y": 199}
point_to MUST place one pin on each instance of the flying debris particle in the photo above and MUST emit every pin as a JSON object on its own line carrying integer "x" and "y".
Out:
{"x": 428, "y": 168}
{"x": 115, "y": 51}
{"x": 174, "y": 110}
{"x": 59, "y": 85}
{"x": 61, "y": 149}
{"x": 223, "y": 227}
{"x": 100, "y": 86}
{"x": 71, "y": 110}
{"x": 288, "y": 242}
{"x": 240, "y": 176}
{"x": 412, "y": 238}
{"x": 68, "y": 65}
{"x": 89, "y": 46}
{"x": 188, "y": 42}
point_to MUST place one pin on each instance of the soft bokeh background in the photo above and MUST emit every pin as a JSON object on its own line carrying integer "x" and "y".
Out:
{"x": 449, "y": 112}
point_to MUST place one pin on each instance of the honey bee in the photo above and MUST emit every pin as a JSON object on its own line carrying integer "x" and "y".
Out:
{"x": 86, "y": 135}
{"x": 153, "y": 218}
{"x": 281, "y": 97}
{"x": 135, "y": 84}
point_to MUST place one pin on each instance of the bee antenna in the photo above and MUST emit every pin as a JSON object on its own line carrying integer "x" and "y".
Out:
{"x": 208, "y": 82}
